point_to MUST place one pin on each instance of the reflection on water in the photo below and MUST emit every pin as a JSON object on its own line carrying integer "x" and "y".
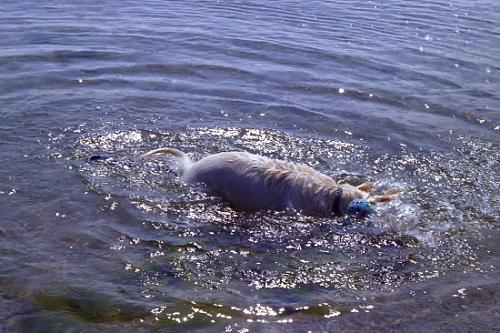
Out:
{"x": 178, "y": 233}
{"x": 401, "y": 93}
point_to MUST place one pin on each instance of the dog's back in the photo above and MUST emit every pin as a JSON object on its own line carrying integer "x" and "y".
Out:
{"x": 254, "y": 182}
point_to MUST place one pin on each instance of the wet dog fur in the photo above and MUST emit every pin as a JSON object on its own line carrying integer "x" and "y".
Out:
{"x": 251, "y": 182}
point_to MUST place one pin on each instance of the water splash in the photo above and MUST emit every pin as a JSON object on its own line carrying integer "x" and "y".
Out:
{"x": 426, "y": 233}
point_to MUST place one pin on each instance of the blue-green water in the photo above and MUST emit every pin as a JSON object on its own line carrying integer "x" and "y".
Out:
{"x": 401, "y": 93}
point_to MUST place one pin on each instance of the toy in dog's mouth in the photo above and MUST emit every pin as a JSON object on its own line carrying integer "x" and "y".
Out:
{"x": 359, "y": 207}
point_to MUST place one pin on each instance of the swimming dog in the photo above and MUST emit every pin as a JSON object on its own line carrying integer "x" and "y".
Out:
{"x": 251, "y": 182}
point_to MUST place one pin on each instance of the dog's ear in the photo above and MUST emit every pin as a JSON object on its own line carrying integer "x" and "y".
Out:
{"x": 389, "y": 196}
{"x": 366, "y": 186}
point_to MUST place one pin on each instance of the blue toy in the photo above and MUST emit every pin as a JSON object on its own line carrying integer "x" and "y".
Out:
{"x": 360, "y": 207}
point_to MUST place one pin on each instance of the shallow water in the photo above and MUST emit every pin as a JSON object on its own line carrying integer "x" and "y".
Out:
{"x": 404, "y": 94}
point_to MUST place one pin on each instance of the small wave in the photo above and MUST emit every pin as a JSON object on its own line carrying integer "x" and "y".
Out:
{"x": 420, "y": 233}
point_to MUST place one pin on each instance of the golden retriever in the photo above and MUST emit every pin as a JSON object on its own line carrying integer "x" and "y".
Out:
{"x": 251, "y": 182}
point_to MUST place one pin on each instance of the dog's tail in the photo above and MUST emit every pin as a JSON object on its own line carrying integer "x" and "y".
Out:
{"x": 185, "y": 162}
{"x": 162, "y": 151}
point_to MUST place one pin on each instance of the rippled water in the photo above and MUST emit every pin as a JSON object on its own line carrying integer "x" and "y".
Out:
{"x": 401, "y": 93}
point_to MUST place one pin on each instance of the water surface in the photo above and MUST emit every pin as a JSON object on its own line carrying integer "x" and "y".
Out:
{"x": 401, "y": 93}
